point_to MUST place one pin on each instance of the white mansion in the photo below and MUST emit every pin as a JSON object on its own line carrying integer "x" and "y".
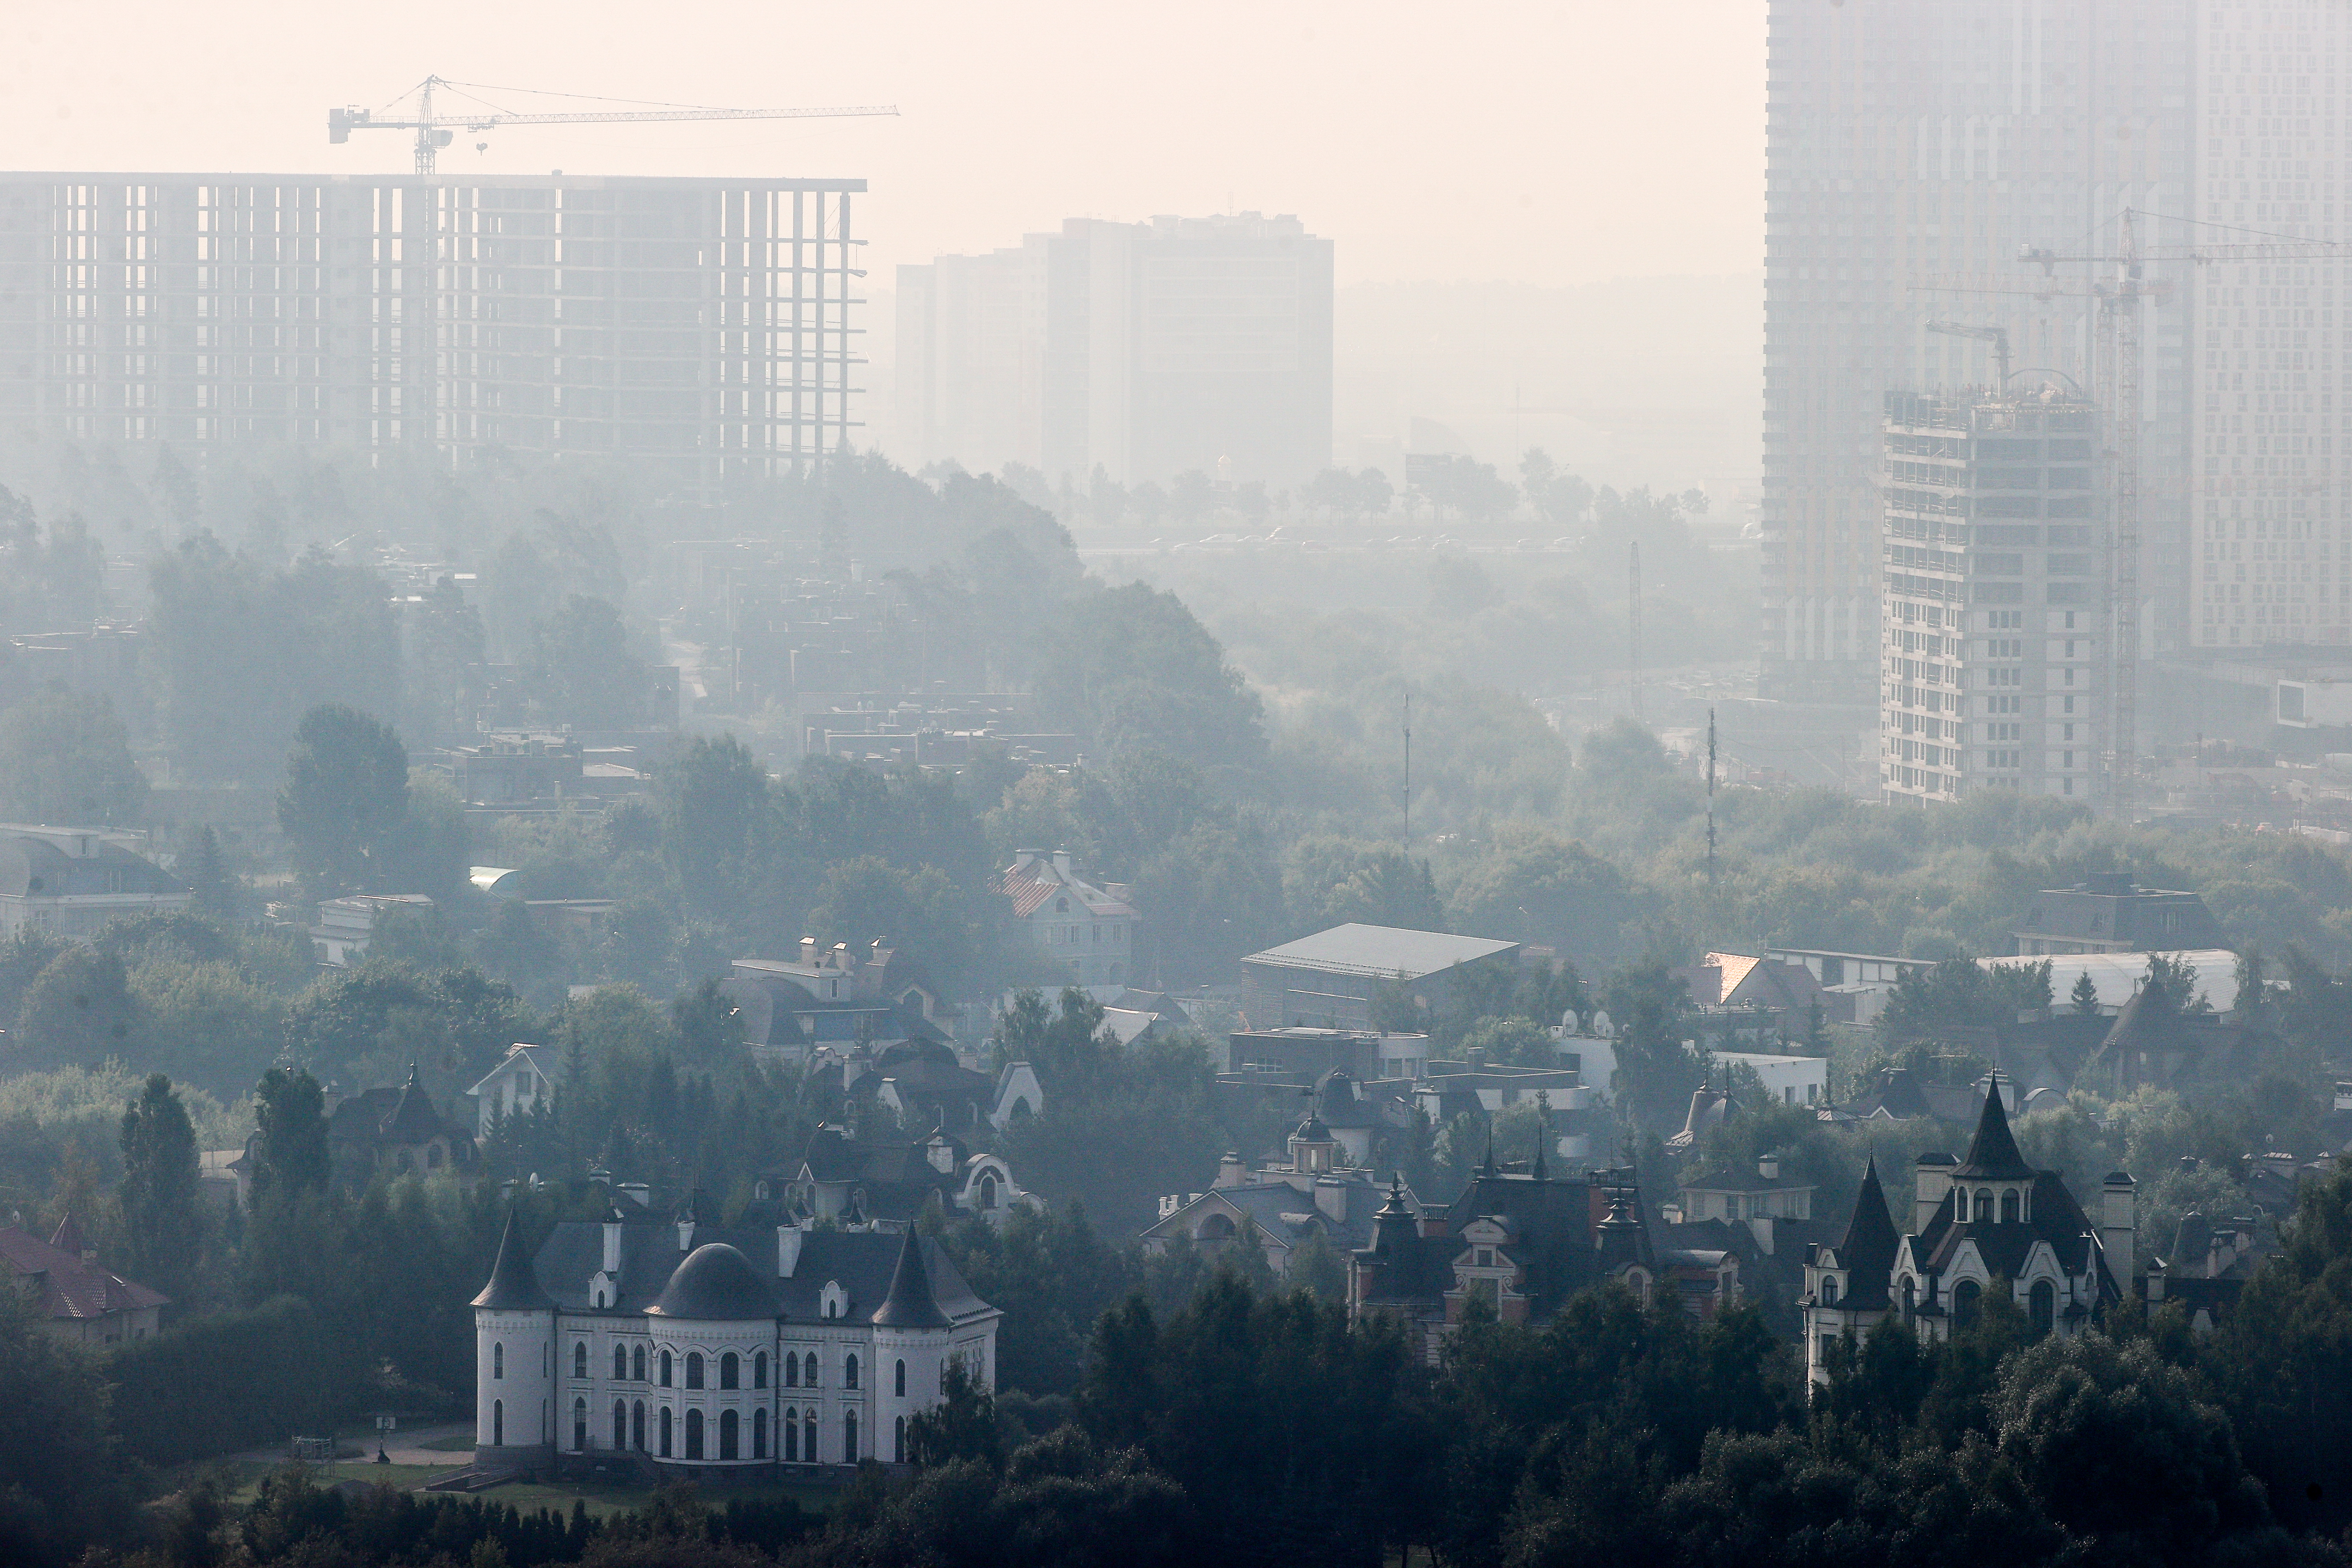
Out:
{"x": 687, "y": 1347}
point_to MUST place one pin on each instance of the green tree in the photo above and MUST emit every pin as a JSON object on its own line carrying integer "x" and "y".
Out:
{"x": 582, "y": 668}
{"x": 62, "y": 1479}
{"x": 163, "y": 1220}
{"x": 718, "y": 823}
{"x": 80, "y": 1010}
{"x": 64, "y": 758}
{"x": 1131, "y": 667}
{"x": 867, "y": 897}
{"x": 213, "y": 889}
{"x": 289, "y": 1113}
{"x": 346, "y": 790}
{"x": 2085, "y": 995}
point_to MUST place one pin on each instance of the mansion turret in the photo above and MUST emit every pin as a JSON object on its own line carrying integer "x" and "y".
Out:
{"x": 1992, "y": 1222}
{"x": 691, "y": 1349}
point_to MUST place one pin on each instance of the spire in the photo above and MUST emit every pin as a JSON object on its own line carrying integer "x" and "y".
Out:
{"x": 1542, "y": 1171}
{"x": 1488, "y": 1169}
{"x": 514, "y": 1280}
{"x": 69, "y": 1237}
{"x": 1993, "y": 1155}
{"x": 1867, "y": 1253}
{"x": 911, "y": 1304}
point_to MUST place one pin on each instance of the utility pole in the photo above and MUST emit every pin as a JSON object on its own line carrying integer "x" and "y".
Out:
{"x": 1710, "y": 797}
{"x": 1408, "y": 771}
{"x": 1634, "y": 627}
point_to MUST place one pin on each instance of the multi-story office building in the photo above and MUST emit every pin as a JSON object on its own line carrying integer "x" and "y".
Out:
{"x": 700, "y": 329}
{"x": 1147, "y": 349}
{"x": 1994, "y": 633}
{"x": 1912, "y": 142}
{"x": 2272, "y": 562}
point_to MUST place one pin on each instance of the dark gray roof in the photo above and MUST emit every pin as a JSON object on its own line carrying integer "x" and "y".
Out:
{"x": 1867, "y": 1251}
{"x": 862, "y": 1262}
{"x": 514, "y": 1283}
{"x": 909, "y": 1304}
{"x": 1993, "y": 1153}
{"x": 716, "y": 1284}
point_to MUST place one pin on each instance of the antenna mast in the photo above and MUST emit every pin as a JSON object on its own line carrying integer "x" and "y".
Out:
{"x": 1408, "y": 770}
{"x": 1710, "y": 797}
{"x": 1634, "y": 627}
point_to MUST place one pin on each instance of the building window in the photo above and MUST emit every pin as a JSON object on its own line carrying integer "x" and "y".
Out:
{"x": 1966, "y": 1297}
{"x": 620, "y": 1363}
{"x": 728, "y": 1421}
{"x": 665, "y": 1369}
{"x": 2041, "y": 1306}
{"x": 1828, "y": 1343}
{"x": 849, "y": 1372}
{"x": 637, "y": 1364}
{"x": 808, "y": 1369}
{"x": 901, "y": 1380}
{"x": 899, "y": 1445}
{"x": 497, "y": 1423}
{"x": 1984, "y": 1206}
{"x": 849, "y": 1436}
{"x": 791, "y": 1435}
{"x": 579, "y": 1426}
{"x": 694, "y": 1369}
{"x": 694, "y": 1434}
{"x": 759, "y": 1370}
{"x": 2009, "y": 1207}
{"x": 620, "y": 1425}
{"x": 638, "y": 1427}
{"x": 759, "y": 1434}
{"x": 808, "y": 1434}
{"x": 792, "y": 1370}
{"x": 1829, "y": 1289}
{"x": 497, "y": 1359}
{"x": 580, "y": 1360}
{"x": 730, "y": 1370}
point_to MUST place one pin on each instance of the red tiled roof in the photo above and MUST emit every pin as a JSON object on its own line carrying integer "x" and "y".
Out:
{"x": 68, "y": 1286}
{"x": 1029, "y": 887}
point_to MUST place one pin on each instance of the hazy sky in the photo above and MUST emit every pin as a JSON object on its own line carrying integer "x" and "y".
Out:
{"x": 1541, "y": 144}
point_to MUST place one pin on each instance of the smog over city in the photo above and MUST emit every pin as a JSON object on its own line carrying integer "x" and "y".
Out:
{"x": 987, "y": 787}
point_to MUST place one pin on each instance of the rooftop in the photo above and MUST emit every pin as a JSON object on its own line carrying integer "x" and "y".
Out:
{"x": 1391, "y": 951}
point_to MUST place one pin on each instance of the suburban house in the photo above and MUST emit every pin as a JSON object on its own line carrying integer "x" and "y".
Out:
{"x": 1303, "y": 1053}
{"x": 1088, "y": 929}
{"x": 886, "y": 1182}
{"x": 840, "y": 996}
{"x": 396, "y": 1132}
{"x": 2111, "y": 913}
{"x": 69, "y": 881}
{"x": 345, "y": 925}
{"x": 74, "y": 1297}
{"x": 1277, "y": 1207}
{"x": 1331, "y": 977}
{"x": 523, "y": 1080}
{"x": 923, "y": 1083}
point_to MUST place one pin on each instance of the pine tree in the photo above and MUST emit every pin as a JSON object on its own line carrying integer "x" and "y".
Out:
{"x": 291, "y": 1111}
{"x": 213, "y": 890}
{"x": 162, "y": 1222}
{"x": 2085, "y": 994}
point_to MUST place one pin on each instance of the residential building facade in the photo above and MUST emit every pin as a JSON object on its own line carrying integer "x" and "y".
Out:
{"x": 1092, "y": 931}
{"x": 73, "y": 1296}
{"x": 69, "y": 881}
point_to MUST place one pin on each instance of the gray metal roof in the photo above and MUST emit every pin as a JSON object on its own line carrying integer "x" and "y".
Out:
{"x": 1390, "y": 950}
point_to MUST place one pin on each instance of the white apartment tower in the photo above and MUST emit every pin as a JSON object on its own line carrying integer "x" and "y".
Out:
{"x": 1993, "y": 637}
{"x": 1918, "y": 141}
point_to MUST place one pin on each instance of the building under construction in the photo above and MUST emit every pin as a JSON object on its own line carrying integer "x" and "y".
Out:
{"x": 1993, "y": 635}
{"x": 700, "y": 329}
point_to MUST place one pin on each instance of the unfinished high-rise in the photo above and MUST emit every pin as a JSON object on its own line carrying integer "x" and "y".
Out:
{"x": 1914, "y": 148}
{"x": 1145, "y": 348}
{"x": 701, "y": 330}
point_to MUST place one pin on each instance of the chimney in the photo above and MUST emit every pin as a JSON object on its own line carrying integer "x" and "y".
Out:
{"x": 613, "y": 1241}
{"x": 808, "y": 950}
{"x": 1768, "y": 1167}
{"x": 1231, "y": 1171}
{"x": 2154, "y": 1280}
{"x": 1935, "y": 1174}
{"x": 1331, "y": 1198}
{"x": 840, "y": 955}
{"x": 2118, "y": 1227}
{"x": 1062, "y": 863}
{"x": 788, "y": 1250}
{"x": 639, "y": 1193}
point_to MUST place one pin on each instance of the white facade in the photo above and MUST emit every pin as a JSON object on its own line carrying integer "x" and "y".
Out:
{"x": 1791, "y": 1081}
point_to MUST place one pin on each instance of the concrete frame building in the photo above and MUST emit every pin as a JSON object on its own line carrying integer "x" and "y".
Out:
{"x": 1146, "y": 349}
{"x": 1995, "y": 621}
{"x": 1913, "y": 140}
{"x": 701, "y": 328}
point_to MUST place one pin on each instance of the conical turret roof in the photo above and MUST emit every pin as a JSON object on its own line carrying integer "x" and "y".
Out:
{"x": 911, "y": 1304}
{"x": 1867, "y": 1253}
{"x": 514, "y": 1281}
{"x": 1993, "y": 1155}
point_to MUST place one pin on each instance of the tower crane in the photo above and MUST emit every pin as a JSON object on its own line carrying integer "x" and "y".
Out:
{"x": 2119, "y": 295}
{"x": 435, "y": 131}
{"x": 1997, "y": 336}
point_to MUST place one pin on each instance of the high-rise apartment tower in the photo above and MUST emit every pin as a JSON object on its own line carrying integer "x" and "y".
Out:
{"x": 698, "y": 328}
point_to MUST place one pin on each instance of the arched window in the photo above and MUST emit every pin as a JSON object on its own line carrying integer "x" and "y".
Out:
{"x": 620, "y": 1366}
{"x": 638, "y": 1427}
{"x": 849, "y": 1371}
{"x": 665, "y": 1431}
{"x": 792, "y": 1370}
{"x": 1984, "y": 1206}
{"x": 497, "y": 1359}
{"x": 2041, "y": 1306}
{"x": 637, "y": 1363}
{"x": 620, "y": 1425}
{"x": 791, "y": 1435}
{"x": 2009, "y": 1207}
{"x": 808, "y": 1369}
{"x": 759, "y": 1433}
{"x": 694, "y": 1369}
{"x": 727, "y": 1429}
{"x": 580, "y": 1360}
{"x": 1829, "y": 1291}
{"x": 730, "y": 1370}
{"x": 759, "y": 1370}
{"x": 579, "y": 1426}
{"x": 1910, "y": 1297}
{"x": 988, "y": 1190}
{"x": 808, "y": 1434}
{"x": 694, "y": 1434}
{"x": 433, "y": 1156}
{"x": 901, "y": 1380}
{"x": 1965, "y": 1296}
{"x": 899, "y": 1447}
{"x": 497, "y": 1423}
{"x": 665, "y": 1369}
{"x": 849, "y": 1436}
